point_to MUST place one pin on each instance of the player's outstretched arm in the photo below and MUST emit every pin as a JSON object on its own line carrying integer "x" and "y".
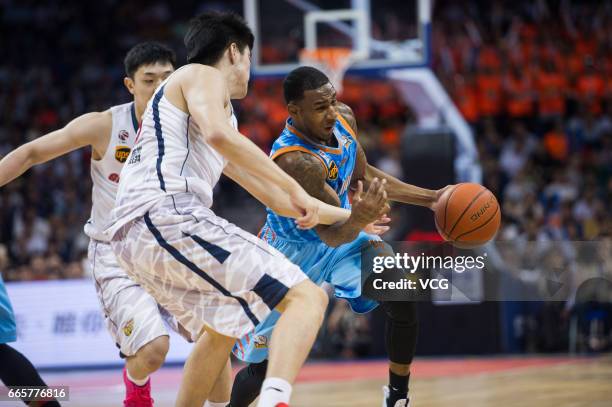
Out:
{"x": 89, "y": 129}
{"x": 206, "y": 94}
{"x": 367, "y": 208}
{"x": 397, "y": 190}
{"x": 277, "y": 200}
{"x": 400, "y": 191}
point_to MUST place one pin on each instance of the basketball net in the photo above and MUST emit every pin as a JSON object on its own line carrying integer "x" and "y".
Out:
{"x": 332, "y": 61}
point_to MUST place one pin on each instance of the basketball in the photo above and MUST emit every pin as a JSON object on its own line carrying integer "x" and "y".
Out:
{"x": 467, "y": 215}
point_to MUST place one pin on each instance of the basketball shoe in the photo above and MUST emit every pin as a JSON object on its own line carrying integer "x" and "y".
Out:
{"x": 136, "y": 396}
{"x": 398, "y": 403}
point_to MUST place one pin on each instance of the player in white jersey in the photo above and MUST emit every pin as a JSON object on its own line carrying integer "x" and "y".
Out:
{"x": 211, "y": 275}
{"x": 133, "y": 317}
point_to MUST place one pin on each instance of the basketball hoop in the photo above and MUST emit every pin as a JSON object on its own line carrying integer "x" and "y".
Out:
{"x": 333, "y": 61}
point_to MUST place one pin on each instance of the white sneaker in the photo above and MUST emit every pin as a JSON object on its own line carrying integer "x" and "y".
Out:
{"x": 398, "y": 403}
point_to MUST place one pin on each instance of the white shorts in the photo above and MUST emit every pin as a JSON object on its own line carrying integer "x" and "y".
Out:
{"x": 202, "y": 269}
{"x": 133, "y": 318}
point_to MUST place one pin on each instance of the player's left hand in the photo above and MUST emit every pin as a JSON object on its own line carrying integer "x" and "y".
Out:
{"x": 378, "y": 226}
{"x": 439, "y": 194}
{"x": 309, "y": 208}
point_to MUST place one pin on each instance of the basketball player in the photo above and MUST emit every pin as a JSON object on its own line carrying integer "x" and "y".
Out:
{"x": 15, "y": 368}
{"x": 132, "y": 316}
{"x": 211, "y": 275}
{"x": 319, "y": 149}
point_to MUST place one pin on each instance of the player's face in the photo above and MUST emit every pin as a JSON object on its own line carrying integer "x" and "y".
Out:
{"x": 243, "y": 72}
{"x": 317, "y": 112}
{"x": 146, "y": 79}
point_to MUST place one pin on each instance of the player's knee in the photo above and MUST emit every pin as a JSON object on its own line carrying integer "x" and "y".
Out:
{"x": 308, "y": 296}
{"x": 153, "y": 354}
{"x": 401, "y": 312}
{"x": 401, "y": 334}
{"x": 316, "y": 298}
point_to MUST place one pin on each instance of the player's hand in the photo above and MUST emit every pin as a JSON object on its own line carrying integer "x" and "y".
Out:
{"x": 378, "y": 227}
{"x": 307, "y": 206}
{"x": 369, "y": 207}
{"x": 439, "y": 194}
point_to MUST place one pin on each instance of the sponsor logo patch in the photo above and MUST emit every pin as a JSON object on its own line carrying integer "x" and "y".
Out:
{"x": 333, "y": 171}
{"x": 347, "y": 142}
{"x": 128, "y": 328}
{"x": 123, "y": 135}
{"x": 260, "y": 342}
{"x": 122, "y": 153}
{"x": 135, "y": 158}
{"x": 345, "y": 186}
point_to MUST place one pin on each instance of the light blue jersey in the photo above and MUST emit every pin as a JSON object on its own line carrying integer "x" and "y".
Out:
{"x": 339, "y": 266}
{"x": 339, "y": 163}
{"x": 8, "y": 329}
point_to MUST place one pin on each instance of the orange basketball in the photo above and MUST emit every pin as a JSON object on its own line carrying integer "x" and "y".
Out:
{"x": 467, "y": 215}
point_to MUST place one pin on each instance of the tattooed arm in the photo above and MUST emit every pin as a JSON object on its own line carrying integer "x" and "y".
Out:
{"x": 309, "y": 172}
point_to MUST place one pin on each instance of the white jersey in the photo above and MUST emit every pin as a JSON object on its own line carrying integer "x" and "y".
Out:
{"x": 106, "y": 171}
{"x": 171, "y": 156}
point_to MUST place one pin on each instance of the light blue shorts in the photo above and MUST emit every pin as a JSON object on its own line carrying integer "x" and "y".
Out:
{"x": 340, "y": 267}
{"x": 8, "y": 328}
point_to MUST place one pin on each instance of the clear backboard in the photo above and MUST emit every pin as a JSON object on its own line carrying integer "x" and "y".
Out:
{"x": 380, "y": 33}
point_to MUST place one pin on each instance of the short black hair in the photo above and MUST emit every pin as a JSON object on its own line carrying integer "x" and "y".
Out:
{"x": 302, "y": 79}
{"x": 146, "y": 53}
{"x": 210, "y": 33}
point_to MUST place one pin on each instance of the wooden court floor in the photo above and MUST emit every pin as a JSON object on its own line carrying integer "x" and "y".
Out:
{"x": 465, "y": 382}
{"x": 582, "y": 384}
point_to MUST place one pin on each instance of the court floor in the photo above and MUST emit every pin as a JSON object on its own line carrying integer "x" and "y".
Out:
{"x": 473, "y": 382}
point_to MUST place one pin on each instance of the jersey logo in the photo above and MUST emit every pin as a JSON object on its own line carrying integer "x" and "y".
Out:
{"x": 260, "y": 342}
{"x": 128, "y": 328}
{"x": 114, "y": 177}
{"x": 122, "y": 153}
{"x": 333, "y": 171}
{"x": 347, "y": 141}
{"x": 135, "y": 155}
{"x": 345, "y": 186}
{"x": 123, "y": 136}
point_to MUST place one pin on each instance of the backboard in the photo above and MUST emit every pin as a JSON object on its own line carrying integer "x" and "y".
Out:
{"x": 381, "y": 33}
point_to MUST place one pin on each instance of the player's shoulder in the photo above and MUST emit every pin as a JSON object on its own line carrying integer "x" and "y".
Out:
{"x": 287, "y": 138}
{"x": 193, "y": 79}
{"x": 118, "y": 109}
{"x": 93, "y": 128}
{"x": 192, "y": 72}
{"x": 344, "y": 109}
{"x": 102, "y": 124}
{"x": 97, "y": 120}
{"x": 288, "y": 142}
{"x": 346, "y": 117}
{"x": 302, "y": 162}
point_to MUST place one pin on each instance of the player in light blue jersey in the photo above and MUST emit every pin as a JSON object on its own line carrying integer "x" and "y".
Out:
{"x": 319, "y": 148}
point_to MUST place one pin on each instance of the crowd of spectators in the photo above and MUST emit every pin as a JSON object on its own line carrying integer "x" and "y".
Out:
{"x": 534, "y": 79}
